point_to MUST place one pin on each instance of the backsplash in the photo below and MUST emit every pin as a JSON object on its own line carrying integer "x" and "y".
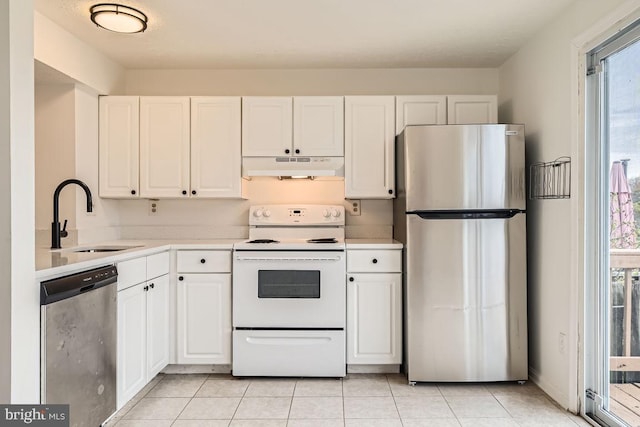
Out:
{"x": 221, "y": 218}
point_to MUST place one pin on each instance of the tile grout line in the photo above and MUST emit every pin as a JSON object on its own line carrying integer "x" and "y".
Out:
{"x": 344, "y": 410}
{"x": 190, "y": 400}
{"x": 395, "y": 404}
{"x": 244, "y": 393}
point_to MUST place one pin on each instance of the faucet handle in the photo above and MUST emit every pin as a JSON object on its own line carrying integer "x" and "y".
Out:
{"x": 64, "y": 232}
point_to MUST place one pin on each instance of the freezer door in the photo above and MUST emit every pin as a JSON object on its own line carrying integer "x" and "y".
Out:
{"x": 464, "y": 167}
{"x": 466, "y": 299}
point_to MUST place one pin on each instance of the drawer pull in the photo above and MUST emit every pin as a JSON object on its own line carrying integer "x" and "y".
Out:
{"x": 375, "y": 261}
{"x": 202, "y": 261}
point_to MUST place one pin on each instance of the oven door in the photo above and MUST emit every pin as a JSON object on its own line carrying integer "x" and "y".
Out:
{"x": 285, "y": 289}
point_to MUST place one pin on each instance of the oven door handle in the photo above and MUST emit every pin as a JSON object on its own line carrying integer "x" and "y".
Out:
{"x": 251, "y": 258}
{"x": 288, "y": 341}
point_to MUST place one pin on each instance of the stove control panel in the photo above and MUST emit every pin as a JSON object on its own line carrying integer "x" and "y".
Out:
{"x": 296, "y": 215}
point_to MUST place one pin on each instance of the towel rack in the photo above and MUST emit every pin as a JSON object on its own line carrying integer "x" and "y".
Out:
{"x": 550, "y": 180}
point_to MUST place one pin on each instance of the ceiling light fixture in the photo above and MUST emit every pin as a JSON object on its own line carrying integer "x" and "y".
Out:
{"x": 118, "y": 18}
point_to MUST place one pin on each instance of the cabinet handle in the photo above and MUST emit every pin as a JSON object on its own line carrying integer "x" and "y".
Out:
{"x": 297, "y": 151}
{"x": 202, "y": 261}
{"x": 152, "y": 286}
{"x": 184, "y": 192}
{"x": 146, "y": 288}
{"x": 180, "y": 278}
{"x": 375, "y": 261}
{"x": 133, "y": 192}
{"x": 287, "y": 151}
{"x": 193, "y": 192}
{"x": 351, "y": 279}
{"x": 390, "y": 191}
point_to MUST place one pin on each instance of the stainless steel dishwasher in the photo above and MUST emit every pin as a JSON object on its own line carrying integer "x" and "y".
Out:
{"x": 78, "y": 349}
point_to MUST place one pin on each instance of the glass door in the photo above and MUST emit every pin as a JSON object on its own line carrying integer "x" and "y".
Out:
{"x": 612, "y": 340}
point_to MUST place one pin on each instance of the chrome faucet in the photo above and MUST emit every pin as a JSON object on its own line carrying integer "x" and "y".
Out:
{"x": 56, "y": 232}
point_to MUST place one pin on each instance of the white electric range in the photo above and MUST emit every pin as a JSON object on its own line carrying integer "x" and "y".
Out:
{"x": 289, "y": 293}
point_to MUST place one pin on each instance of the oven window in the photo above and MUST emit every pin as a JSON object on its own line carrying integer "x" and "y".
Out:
{"x": 288, "y": 284}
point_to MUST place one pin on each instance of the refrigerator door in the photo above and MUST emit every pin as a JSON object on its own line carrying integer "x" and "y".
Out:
{"x": 463, "y": 167}
{"x": 466, "y": 299}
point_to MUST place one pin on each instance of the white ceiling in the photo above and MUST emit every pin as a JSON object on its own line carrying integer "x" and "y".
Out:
{"x": 313, "y": 33}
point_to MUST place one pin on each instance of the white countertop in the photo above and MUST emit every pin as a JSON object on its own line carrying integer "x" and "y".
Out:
{"x": 373, "y": 244}
{"x": 51, "y": 263}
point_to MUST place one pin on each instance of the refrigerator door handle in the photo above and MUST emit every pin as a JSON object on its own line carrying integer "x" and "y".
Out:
{"x": 468, "y": 214}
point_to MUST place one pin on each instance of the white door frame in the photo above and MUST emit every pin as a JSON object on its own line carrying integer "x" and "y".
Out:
{"x": 601, "y": 31}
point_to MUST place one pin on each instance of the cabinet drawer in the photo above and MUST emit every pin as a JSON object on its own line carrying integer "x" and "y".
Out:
{"x": 204, "y": 262}
{"x": 157, "y": 265}
{"x": 131, "y": 272}
{"x": 374, "y": 261}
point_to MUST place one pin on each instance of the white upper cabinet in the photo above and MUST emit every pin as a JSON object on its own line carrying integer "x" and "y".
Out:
{"x": 369, "y": 147}
{"x": 298, "y": 126}
{"x": 164, "y": 146}
{"x": 472, "y": 109}
{"x": 119, "y": 144}
{"x": 318, "y": 126}
{"x": 420, "y": 110}
{"x": 266, "y": 126}
{"x": 215, "y": 147}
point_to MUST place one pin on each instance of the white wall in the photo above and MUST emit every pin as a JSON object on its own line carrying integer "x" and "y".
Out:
{"x": 19, "y": 295}
{"x": 55, "y": 154}
{"x": 410, "y": 81}
{"x": 537, "y": 88}
{"x": 64, "y": 52}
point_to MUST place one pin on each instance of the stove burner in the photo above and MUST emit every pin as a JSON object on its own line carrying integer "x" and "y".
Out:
{"x": 263, "y": 241}
{"x": 323, "y": 240}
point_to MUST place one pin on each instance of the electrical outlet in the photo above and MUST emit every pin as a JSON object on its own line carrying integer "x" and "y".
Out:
{"x": 353, "y": 207}
{"x": 562, "y": 342}
{"x": 153, "y": 207}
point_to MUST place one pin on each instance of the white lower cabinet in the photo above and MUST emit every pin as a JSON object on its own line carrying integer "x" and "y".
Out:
{"x": 143, "y": 324}
{"x": 132, "y": 338}
{"x": 204, "y": 318}
{"x": 204, "y": 307}
{"x": 374, "y": 307}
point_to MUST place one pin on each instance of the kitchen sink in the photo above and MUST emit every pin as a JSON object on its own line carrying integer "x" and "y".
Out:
{"x": 97, "y": 249}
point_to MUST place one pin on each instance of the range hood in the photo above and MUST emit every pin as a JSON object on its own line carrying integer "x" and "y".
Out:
{"x": 293, "y": 166}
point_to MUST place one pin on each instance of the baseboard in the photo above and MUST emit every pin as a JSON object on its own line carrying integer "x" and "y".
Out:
{"x": 197, "y": 369}
{"x": 551, "y": 390}
{"x": 373, "y": 369}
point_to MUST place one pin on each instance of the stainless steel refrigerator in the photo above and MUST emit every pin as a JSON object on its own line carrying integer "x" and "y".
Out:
{"x": 460, "y": 212}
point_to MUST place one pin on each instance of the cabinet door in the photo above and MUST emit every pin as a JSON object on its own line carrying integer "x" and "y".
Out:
{"x": 132, "y": 337}
{"x": 157, "y": 325}
{"x": 164, "y": 146}
{"x": 369, "y": 147}
{"x": 472, "y": 109}
{"x": 215, "y": 147}
{"x": 318, "y": 126}
{"x": 119, "y": 144}
{"x": 420, "y": 110}
{"x": 204, "y": 318}
{"x": 266, "y": 126}
{"x": 374, "y": 318}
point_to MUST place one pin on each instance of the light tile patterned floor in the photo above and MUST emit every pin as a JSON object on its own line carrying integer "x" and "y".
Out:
{"x": 360, "y": 400}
